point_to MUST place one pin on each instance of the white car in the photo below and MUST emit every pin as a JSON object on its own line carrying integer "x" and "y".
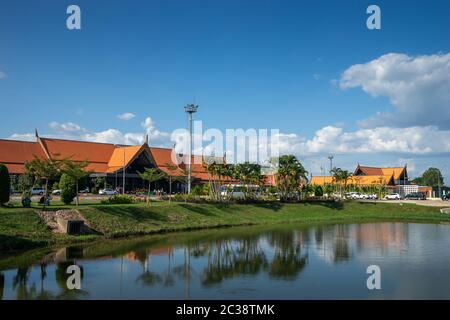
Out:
{"x": 392, "y": 196}
{"x": 56, "y": 192}
{"x": 373, "y": 196}
{"x": 108, "y": 192}
{"x": 37, "y": 191}
{"x": 353, "y": 195}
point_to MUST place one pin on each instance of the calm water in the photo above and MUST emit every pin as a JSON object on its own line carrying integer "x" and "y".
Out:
{"x": 282, "y": 262}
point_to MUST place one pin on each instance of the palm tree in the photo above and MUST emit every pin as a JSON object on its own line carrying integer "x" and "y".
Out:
{"x": 248, "y": 174}
{"x": 340, "y": 177}
{"x": 151, "y": 175}
{"x": 75, "y": 170}
{"x": 290, "y": 176}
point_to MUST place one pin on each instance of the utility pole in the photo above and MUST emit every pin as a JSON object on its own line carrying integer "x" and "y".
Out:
{"x": 190, "y": 109}
{"x": 123, "y": 169}
{"x": 439, "y": 181}
{"x": 330, "y": 157}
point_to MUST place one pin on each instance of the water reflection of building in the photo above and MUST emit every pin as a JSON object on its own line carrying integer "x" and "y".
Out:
{"x": 337, "y": 243}
{"x": 141, "y": 255}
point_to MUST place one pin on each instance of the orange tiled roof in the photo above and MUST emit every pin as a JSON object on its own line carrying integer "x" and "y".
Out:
{"x": 395, "y": 171}
{"x": 358, "y": 180}
{"x": 123, "y": 155}
{"x": 102, "y": 157}
{"x": 14, "y": 154}
{"x": 78, "y": 150}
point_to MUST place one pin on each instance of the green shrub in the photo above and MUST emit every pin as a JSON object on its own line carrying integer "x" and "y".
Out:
{"x": 67, "y": 185}
{"x": 5, "y": 184}
{"x": 118, "y": 199}
{"x": 318, "y": 191}
{"x": 55, "y": 186}
{"x": 201, "y": 190}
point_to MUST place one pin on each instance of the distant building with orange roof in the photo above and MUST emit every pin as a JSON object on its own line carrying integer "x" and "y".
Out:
{"x": 395, "y": 179}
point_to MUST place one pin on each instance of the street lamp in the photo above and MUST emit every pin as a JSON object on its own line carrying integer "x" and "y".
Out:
{"x": 330, "y": 157}
{"x": 190, "y": 109}
{"x": 439, "y": 181}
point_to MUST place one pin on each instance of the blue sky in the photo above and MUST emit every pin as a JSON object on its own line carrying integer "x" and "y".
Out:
{"x": 248, "y": 64}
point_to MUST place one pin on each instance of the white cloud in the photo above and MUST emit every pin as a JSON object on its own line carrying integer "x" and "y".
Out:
{"x": 427, "y": 140}
{"x": 411, "y": 140}
{"x": 2, "y": 75}
{"x": 126, "y": 116}
{"x": 418, "y": 87}
{"x": 73, "y": 131}
{"x": 66, "y": 127}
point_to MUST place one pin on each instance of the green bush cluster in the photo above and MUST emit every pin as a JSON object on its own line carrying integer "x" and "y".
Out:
{"x": 67, "y": 185}
{"x": 118, "y": 199}
{"x": 318, "y": 191}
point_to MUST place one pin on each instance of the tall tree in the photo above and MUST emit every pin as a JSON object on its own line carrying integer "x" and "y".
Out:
{"x": 248, "y": 174}
{"x": 5, "y": 184}
{"x": 431, "y": 177}
{"x": 290, "y": 176}
{"x": 217, "y": 173}
{"x": 179, "y": 174}
{"x": 77, "y": 171}
{"x": 151, "y": 175}
{"x": 44, "y": 169}
{"x": 341, "y": 178}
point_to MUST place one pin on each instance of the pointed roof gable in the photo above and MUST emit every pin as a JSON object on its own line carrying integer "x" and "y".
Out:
{"x": 396, "y": 172}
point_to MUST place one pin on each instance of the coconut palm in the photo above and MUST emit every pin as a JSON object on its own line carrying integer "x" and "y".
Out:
{"x": 290, "y": 176}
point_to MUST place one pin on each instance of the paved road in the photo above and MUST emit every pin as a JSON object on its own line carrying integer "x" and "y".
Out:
{"x": 429, "y": 203}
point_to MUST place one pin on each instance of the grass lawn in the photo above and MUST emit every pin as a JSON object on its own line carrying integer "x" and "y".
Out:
{"x": 21, "y": 228}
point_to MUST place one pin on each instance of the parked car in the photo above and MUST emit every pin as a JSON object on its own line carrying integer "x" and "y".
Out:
{"x": 352, "y": 195}
{"x": 108, "y": 192}
{"x": 392, "y": 196}
{"x": 237, "y": 191}
{"x": 415, "y": 196}
{"x": 86, "y": 190}
{"x": 56, "y": 192}
{"x": 37, "y": 191}
{"x": 373, "y": 196}
{"x": 446, "y": 197}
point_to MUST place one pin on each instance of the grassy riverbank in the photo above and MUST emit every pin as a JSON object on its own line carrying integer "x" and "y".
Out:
{"x": 22, "y": 229}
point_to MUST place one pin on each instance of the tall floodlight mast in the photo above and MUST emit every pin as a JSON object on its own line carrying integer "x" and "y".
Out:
{"x": 331, "y": 157}
{"x": 190, "y": 109}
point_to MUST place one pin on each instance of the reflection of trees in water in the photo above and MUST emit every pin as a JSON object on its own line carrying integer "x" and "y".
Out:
{"x": 332, "y": 242}
{"x": 2, "y": 285}
{"x": 147, "y": 277}
{"x": 288, "y": 260}
{"x": 20, "y": 284}
{"x": 229, "y": 258}
{"x": 341, "y": 247}
{"x": 169, "y": 279}
{"x": 61, "y": 277}
{"x": 24, "y": 291}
